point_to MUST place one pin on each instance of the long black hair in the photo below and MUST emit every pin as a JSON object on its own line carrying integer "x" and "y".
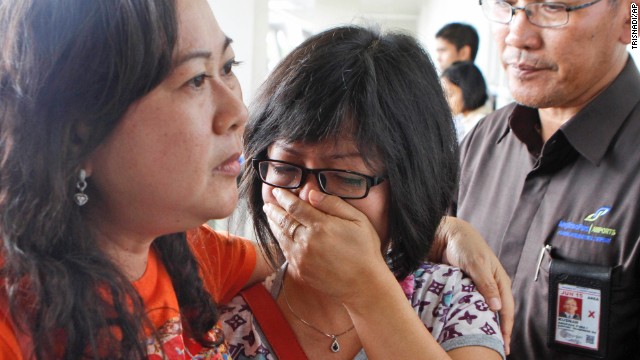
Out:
{"x": 384, "y": 90}
{"x": 69, "y": 69}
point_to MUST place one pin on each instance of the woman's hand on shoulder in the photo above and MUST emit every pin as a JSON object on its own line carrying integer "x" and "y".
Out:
{"x": 458, "y": 244}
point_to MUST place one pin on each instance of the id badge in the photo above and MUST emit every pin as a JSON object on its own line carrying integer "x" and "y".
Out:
{"x": 579, "y": 297}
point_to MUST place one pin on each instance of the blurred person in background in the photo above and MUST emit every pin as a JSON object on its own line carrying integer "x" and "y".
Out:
{"x": 466, "y": 93}
{"x": 456, "y": 42}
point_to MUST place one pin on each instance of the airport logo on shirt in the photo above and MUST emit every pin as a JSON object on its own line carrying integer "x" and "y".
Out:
{"x": 596, "y": 215}
{"x": 589, "y": 231}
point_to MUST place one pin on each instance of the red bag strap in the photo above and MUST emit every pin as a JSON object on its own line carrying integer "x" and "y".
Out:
{"x": 23, "y": 339}
{"x": 274, "y": 326}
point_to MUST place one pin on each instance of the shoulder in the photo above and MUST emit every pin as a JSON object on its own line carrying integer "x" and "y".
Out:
{"x": 226, "y": 261}
{"x": 433, "y": 285}
{"x": 436, "y": 279}
{"x": 433, "y": 271}
{"x": 205, "y": 235}
{"x": 452, "y": 309}
{"x": 445, "y": 287}
{"x": 211, "y": 245}
{"x": 488, "y": 131}
{"x": 496, "y": 120}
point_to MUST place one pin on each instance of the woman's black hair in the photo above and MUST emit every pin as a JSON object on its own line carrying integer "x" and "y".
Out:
{"x": 69, "y": 70}
{"x": 384, "y": 91}
{"x": 469, "y": 79}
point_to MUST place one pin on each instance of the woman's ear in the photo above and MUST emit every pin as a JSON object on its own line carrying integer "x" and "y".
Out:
{"x": 87, "y": 166}
{"x": 80, "y": 138}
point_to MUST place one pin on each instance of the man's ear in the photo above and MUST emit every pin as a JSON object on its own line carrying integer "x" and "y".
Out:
{"x": 464, "y": 54}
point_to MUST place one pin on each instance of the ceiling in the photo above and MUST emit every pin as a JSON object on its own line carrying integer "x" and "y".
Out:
{"x": 391, "y": 7}
{"x": 322, "y": 12}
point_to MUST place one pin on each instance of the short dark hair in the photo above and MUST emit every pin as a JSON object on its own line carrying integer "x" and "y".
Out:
{"x": 469, "y": 79}
{"x": 460, "y": 34}
{"x": 383, "y": 89}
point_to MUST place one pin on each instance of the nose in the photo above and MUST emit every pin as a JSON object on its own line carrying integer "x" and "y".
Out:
{"x": 230, "y": 111}
{"x": 522, "y": 34}
{"x": 311, "y": 183}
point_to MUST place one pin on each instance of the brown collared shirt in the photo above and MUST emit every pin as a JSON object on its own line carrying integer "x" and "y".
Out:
{"x": 578, "y": 192}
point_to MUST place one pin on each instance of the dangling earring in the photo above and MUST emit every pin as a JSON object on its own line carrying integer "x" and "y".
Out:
{"x": 80, "y": 197}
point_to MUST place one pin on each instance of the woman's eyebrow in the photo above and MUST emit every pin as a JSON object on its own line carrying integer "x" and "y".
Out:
{"x": 227, "y": 42}
{"x": 205, "y": 54}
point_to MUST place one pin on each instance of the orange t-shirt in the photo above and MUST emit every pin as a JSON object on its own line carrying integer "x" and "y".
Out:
{"x": 226, "y": 263}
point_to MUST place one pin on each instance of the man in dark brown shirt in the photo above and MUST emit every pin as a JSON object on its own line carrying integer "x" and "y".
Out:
{"x": 556, "y": 177}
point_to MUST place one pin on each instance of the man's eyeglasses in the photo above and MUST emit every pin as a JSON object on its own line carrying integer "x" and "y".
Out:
{"x": 342, "y": 183}
{"x": 543, "y": 14}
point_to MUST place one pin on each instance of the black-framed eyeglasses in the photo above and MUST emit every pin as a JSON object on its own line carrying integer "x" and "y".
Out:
{"x": 543, "y": 14}
{"x": 342, "y": 183}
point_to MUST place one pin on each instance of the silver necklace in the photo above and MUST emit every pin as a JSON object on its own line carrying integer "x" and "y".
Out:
{"x": 335, "y": 345}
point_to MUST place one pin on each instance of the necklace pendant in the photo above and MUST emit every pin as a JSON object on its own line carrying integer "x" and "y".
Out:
{"x": 335, "y": 346}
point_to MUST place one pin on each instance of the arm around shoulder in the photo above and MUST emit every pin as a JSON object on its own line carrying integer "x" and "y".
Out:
{"x": 458, "y": 244}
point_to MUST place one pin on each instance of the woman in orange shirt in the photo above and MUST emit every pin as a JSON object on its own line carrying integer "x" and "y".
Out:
{"x": 121, "y": 129}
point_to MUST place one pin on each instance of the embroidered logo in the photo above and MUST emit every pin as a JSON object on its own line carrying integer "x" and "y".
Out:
{"x": 588, "y": 231}
{"x": 600, "y": 212}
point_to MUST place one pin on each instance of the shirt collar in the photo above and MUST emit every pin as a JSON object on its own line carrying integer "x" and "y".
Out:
{"x": 592, "y": 130}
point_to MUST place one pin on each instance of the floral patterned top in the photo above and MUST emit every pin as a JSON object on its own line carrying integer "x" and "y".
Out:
{"x": 445, "y": 299}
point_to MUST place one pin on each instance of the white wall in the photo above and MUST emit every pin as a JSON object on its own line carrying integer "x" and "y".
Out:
{"x": 246, "y": 22}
